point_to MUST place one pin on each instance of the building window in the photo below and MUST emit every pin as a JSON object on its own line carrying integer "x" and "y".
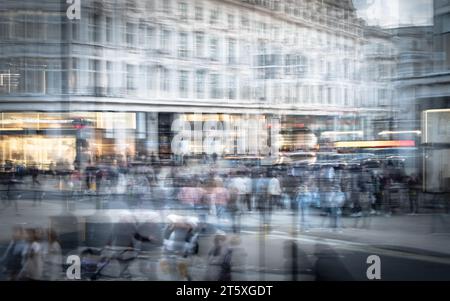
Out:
{"x": 109, "y": 25}
{"x": 35, "y": 28}
{"x": 75, "y": 28}
{"x": 91, "y": 27}
{"x": 167, "y": 6}
{"x": 131, "y": 78}
{"x": 97, "y": 28}
{"x": 199, "y": 13}
{"x": 19, "y": 27}
{"x": 199, "y": 44}
{"x": 53, "y": 77}
{"x": 165, "y": 40}
{"x": 183, "y": 84}
{"x": 34, "y": 80}
{"x": 321, "y": 94}
{"x": 94, "y": 27}
{"x": 306, "y": 94}
{"x": 214, "y": 49}
{"x": 245, "y": 22}
{"x": 200, "y": 83}
{"x": 74, "y": 71}
{"x": 245, "y": 89}
{"x": 346, "y": 69}
{"x": 214, "y": 16}
{"x": 231, "y": 87}
{"x": 215, "y": 86}
{"x": 338, "y": 95}
{"x": 150, "y": 5}
{"x": 329, "y": 95}
{"x": 150, "y": 79}
{"x": 54, "y": 28}
{"x": 109, "y": 77}
{"x": 131, "y": 4}
{"x": 317, "y": 95}
{"x": 298, "y": 90}
{"x": 131, "y": 34}
{"x": 183, "y": 45}
{"x": 287, "y": 93}
{"x": 149, "y": 36}
{"x": 141, "y": 79}
{"x": 91, "y": 74}
{"x": 231, "y": 51}
{"x": 288, "y": 64}
{"x": 346, "y": 100}
{"x": 230, "y": 21}
{"x": 165, "y": 79}
{"x": 183, "y": 9}
{"x": 4, "y": 29}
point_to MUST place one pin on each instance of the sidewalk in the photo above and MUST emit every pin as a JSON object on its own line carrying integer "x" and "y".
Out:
{"x": 421, "y": 233}
{"x": 428, "y": 233}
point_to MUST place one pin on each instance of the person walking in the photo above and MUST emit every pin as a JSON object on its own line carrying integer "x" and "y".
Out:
{"x": 190, "y": 194}
{"x": 12, "y": 193}
{"x": 219, "y": 197}
{"x": 413, "y": 193}
{"x": 12, "y": 259}
{"x": 33, "y": 257}
{"x": 218, "y": 259}
{"x": 274, "y": 191}
{"x": 36, "y": 184}
{"x": 234, "y": 208}
{"x": 335, "y": 200}
{"x": 53, "y": 268}
{"x": 304, "y": 199}
{"x": 366, "y": 197}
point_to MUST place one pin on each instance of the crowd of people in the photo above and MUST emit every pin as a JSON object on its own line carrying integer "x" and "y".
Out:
{"x": 316, "y": 195}
{"x": 32, "y": 254}
{"x": 356, "y": 190}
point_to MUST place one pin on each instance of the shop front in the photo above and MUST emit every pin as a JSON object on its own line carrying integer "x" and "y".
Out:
{"x": 50, "y": 140}
{"x": 78, "y": 139}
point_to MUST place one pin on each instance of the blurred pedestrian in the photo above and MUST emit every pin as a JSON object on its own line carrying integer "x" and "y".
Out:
{"x": 238, "y": 259}
{"x": 366, "y": 197}
{"x": 335, "y": 199}
{"x": 220, "y": 197}
{"x": 53, "y": 257}
{"x": 413, "y": 189}
{"x": 51, "y": 169}
{"x": 248, "y": 190}
{"x": 218, "y": 260}
{"x": 262, "y": 199}
{"x": 234, "y": 208}
{"x": 290, "y": 185}
{"x": 33, "y": 265}
{"x": 274, "y": 191}
{"x": 12, "y": 259}
{"x": 194, "y": 197}
{"x": 36, "y": 184}
{"x": 13, "y": 193}
{"x": 243, "y": 183}
{"x": 378, "y": 193}
{"x": 355, "y": 187}
{"x": 304, "y": 200}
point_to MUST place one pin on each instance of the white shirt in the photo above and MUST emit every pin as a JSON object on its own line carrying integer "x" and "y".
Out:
{"x": 34, "y": 265}
{"x": 274, "y": 187}
{"x": 238, "y": 184}
{"x": 248, "y": 185}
